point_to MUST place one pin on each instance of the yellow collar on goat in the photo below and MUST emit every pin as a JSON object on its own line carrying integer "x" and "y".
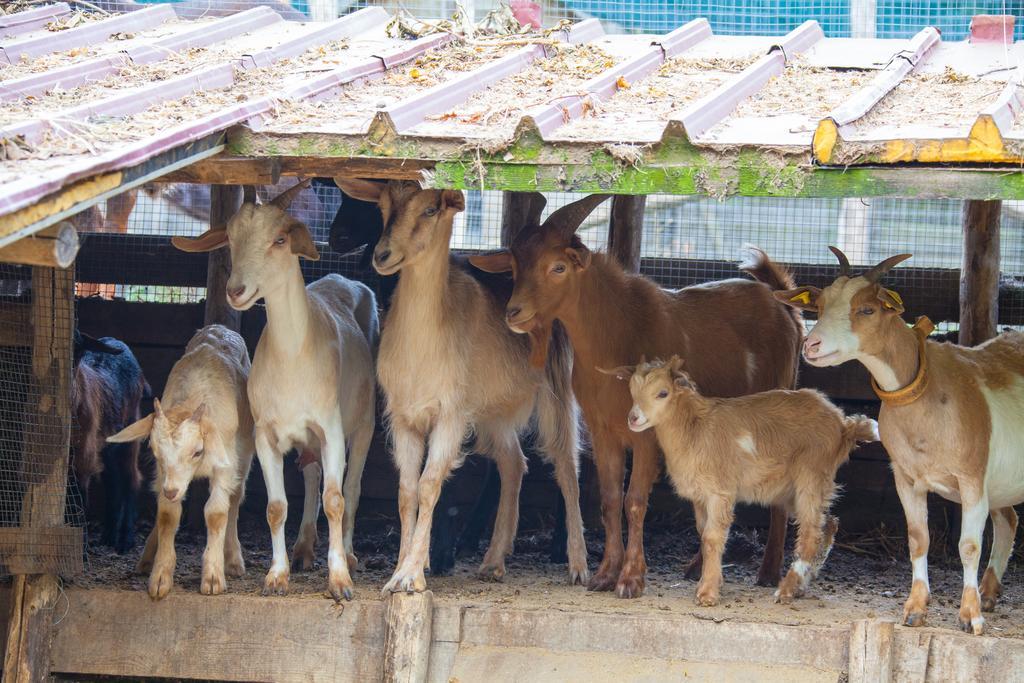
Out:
{"x": 913, "y": 391}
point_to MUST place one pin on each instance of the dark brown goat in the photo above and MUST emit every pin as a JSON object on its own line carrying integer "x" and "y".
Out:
{"x": 735, "y": 339}
{"x": 108, "y": 386}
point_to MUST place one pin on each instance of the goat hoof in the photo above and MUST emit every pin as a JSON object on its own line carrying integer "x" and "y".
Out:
{"x": 352, "y": 561}
{"x": 235, "y": 569}
{"x": 693, "y": 568}
{"x": 603, "y": 581}
{"x": 914, "y": 619}
{"x": 630, "y": 588}
{"x": 302, "y": 562}
{"x": 988, "y": 603}
{"x": 767, "y": 579}
{"x": 276, "y": 583}
{"x": 160, "y": 583}
{"x": 783, "y": 598}
{"x": 491, "y": 572}
{"x": 579, "y": 576}
{"x": 213, "y": 585}
{"x": 975, "y": 626}
{"x": 338, "y": 595}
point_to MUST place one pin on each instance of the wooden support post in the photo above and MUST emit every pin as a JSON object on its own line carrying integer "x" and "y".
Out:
{"x": 408, "y": 628}
{"x": 625, "y": 231}
{"x": 872, "y": 642}
{"x": 979, "y": 274}
{"x": 225, "y": 201}
{"x": 53, "y": 247}
{"x": 515, "y": 209}
{"x": 44, "y": 470}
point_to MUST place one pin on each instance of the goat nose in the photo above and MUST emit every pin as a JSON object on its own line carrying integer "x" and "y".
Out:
{"x": 236, "y": 292}
{"x": 513, "y": 311}
{"x": 811, "y": 344}
{"x": 170, "y": 494}
{"x": 382, "y": 255}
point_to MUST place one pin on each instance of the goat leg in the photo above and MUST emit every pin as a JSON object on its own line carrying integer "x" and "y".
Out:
{"x": 771, "y": 563}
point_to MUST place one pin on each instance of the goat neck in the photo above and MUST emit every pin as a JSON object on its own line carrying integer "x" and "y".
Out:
{"x": 287, "y": 311}
{"x": 595, "y": 312}
{"x": 893, "y": 359}
{"x": 423, "y": 285}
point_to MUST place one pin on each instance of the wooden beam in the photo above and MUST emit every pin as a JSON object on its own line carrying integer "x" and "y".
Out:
{"x": 15, "y": 324}
{"x": 53, "y": 247}
{"x": 408, "y": 625}
{"x": 222, "y": 170}
{"x": 27, "y": 657}
{"x": 979, "y": 274}
{"x": 625, "y": 232}
{"x": 356, "y": 167}
{"x": 18, "y": 548}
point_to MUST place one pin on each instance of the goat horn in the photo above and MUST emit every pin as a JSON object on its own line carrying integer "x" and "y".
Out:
{"x": 876, "y": 273}
{"x": 844, "y": 263}
{"x": 249, "y": 194}
{"x": 285, "y": 199}
{"x": 536, "y": 208}
{"x": 570, "y": 217}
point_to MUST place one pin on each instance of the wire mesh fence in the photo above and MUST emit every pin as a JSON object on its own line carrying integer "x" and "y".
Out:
{"x": 41, "y": 512}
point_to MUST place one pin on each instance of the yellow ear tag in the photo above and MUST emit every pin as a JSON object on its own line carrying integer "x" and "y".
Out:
{"x": 803, "y": 297}
{"x": 895, "y": 296}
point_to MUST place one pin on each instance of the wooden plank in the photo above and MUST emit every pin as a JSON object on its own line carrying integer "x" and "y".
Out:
{"x": 979, "y": 274}
{"x": 354, "y": 167}
{"x": 229, "y": 637}
{"x": 224, "y": 170}
{"x": 871, "y": 651}
{"x": 408, "y": 625}
{"x": 18, "y": 544}
{"x": 15, "y": 324}
{"x": 625, "y": 232}
{"x": 54, "y": 247}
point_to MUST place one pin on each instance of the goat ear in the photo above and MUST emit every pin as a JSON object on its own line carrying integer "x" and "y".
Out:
{"x": 214, "y": 238}
{"x": 365, "y": 190}
{"x": 578, "y": 254}
{"x": 301, "y": 241}
{"x": 890, "y": 300}
{"x": 137, "y": 431}
{"x": 494, "y": 262}
{"x": 682, "y": 382}
{"x": 803, "y": 298}
{"x": 157, "y": 408}
{"x": 453, "y": 199}
{"x": 675, "y": 363}
{"x": 622, "y": 372}
{"x": 199, "y": 413}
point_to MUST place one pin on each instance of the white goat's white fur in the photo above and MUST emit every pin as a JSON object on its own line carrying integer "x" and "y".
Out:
{"x": 312, "y": 383}
{"x": 203, "y": 430}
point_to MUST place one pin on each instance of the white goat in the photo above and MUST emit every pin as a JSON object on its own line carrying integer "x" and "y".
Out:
{"x": 203, "y": 430}
{"x": 312, "y": 382}
{"x": 448, "y": 365}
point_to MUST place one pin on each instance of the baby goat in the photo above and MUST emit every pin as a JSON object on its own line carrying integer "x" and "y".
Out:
{"x": 774, "y": 448}
{"x": 205, "y": 431}
{"x": 312, "y": 382}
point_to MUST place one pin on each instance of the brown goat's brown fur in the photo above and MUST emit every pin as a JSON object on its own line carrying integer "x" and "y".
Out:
{"x": 774, "y": 448}
{"x": 734, "y": 338}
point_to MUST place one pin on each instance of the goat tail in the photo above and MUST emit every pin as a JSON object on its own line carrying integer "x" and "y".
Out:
{"x": 858, "y": 429}
{"x": 757, "y": 264}
{"x": 557, "y": 410}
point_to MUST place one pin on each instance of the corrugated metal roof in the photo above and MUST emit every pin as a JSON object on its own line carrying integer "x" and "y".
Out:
{"x": 113, "y": 93}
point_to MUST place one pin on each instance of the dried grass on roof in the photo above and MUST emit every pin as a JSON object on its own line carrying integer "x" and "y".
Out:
{"x": 949, "y": 99}
{"x": 640, "y": 112}
{"x": 801, "y": 89}
{"x": 501, "y": 106}
{"x": 355, "y": 105}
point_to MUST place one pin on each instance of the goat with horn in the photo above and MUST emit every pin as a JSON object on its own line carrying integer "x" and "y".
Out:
{"x": 950, "y": 420}
{"x": 733, "y": 336}
{"x": 450, "y": 368}
{"x": 311, "y": 384}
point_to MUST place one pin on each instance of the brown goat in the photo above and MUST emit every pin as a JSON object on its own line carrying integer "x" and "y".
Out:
{"x": 774, "y": 448}
{"x": 735, "y": 338}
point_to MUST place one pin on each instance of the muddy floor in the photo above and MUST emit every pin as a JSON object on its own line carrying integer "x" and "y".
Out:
{"x": 862, "y": 578}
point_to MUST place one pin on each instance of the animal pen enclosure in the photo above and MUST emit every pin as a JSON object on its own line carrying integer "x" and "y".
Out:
{"x": 790, "y": 141}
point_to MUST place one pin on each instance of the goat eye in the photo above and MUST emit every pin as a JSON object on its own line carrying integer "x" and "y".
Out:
{"x": 280, "y": 240}
{"x": 430, "y": 211}
{"x": 663, "y": 393}
{"x": 867, "y": 310}
{"x": 197, "y": 453}
{"x": 558, "y": 268}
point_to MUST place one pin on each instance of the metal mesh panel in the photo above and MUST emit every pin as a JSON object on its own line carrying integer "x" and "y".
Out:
{"x": 40, "y": 510}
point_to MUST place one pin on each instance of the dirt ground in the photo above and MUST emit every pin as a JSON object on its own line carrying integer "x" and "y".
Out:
{"x": 862, "y": 578}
